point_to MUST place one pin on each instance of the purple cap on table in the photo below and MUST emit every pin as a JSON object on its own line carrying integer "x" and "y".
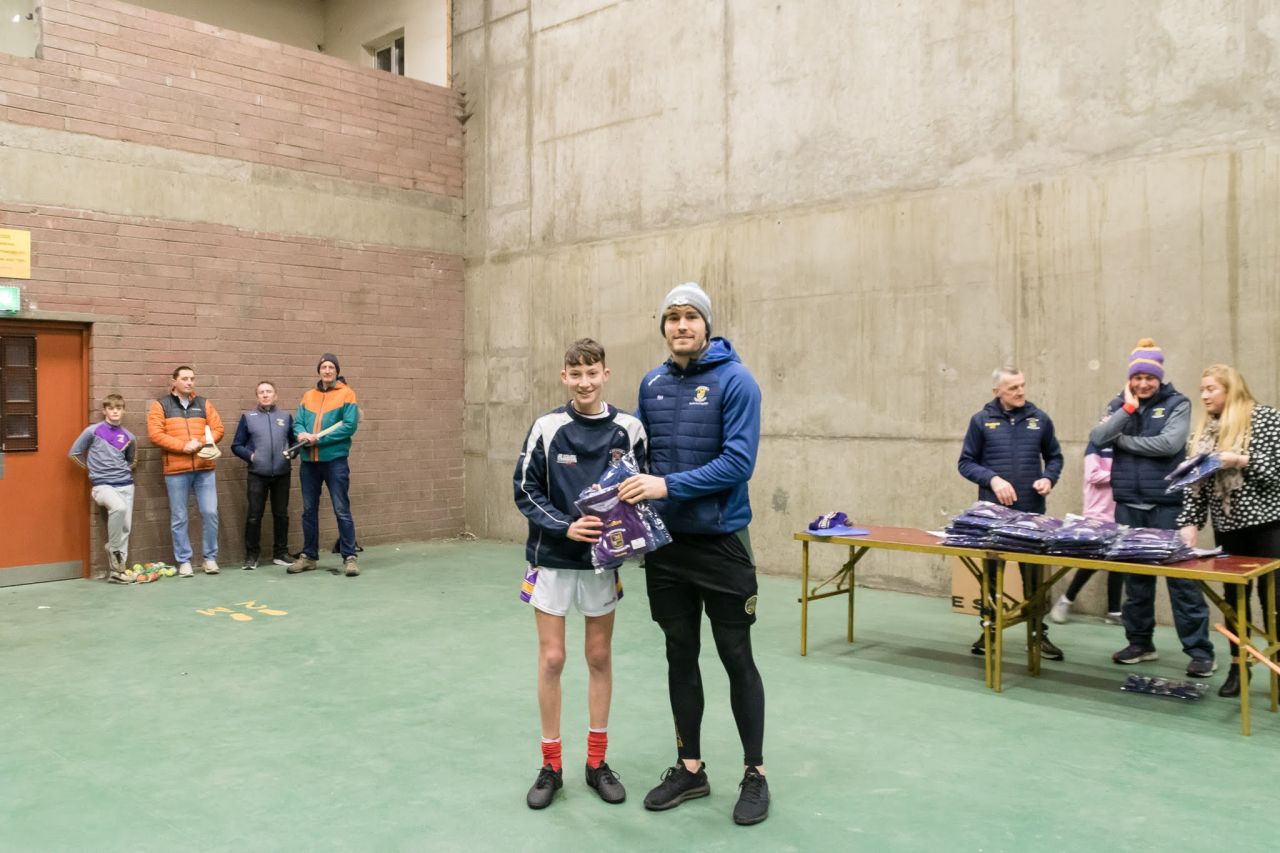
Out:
{"x": 835, "y": 524}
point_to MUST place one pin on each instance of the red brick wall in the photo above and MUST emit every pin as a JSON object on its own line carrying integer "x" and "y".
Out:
{"x": 122, "y": 72}
{"x": 241, "y": 306}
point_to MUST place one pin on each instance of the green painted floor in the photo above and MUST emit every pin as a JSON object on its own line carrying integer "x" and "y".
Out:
{"x": 396, "y": 711}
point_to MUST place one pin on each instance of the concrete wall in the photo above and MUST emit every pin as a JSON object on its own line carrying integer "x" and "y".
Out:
{"x": 295, "y": 22}
{"x": 885, "y": 201}
{"x": 351, "y": 24}
{"x": 201, "y": 196}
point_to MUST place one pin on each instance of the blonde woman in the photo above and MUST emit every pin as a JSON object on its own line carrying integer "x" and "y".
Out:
{"x": 1243, "y": 498}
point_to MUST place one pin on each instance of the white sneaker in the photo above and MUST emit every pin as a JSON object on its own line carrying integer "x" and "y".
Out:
{"x": 1060, "y": 611}
{"x": 1113, "y": 618}
{"x": 211, "y": 567}
{"x": 184, "y": 570}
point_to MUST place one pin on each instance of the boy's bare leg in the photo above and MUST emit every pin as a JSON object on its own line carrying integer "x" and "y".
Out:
{"x": 598, "y": 647}
{"x": 550, "y": 666}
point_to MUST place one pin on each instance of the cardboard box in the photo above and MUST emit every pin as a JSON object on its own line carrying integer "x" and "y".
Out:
{"x": 964, "y": 586}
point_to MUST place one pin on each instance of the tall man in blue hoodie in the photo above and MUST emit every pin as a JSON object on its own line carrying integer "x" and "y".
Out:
{"x": 1012, "y": 453}
{"x": 701, "y": 410}
{"x": 261, "y": 438}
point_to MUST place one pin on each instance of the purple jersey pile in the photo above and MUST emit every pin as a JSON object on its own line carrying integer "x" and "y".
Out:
{"x": 1030, "y": 534}
{"x": 1088, "y": 538}
{"x": 1149, "y": 545}
{"x": 973, "y": 527}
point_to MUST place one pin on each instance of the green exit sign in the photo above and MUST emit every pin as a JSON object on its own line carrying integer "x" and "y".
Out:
{"x": 10, "y": 299}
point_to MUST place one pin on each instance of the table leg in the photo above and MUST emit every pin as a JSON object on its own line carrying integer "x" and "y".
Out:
{"x": 1242, "y": 631}
{"x": 999, "y": 627}
{"x": 804, "y": 598}
{"x": 986, "y": 617}
{"x": 1035, "y": 625}
{"x": 853, "y": 563}
{"x": 1269, "y": 620}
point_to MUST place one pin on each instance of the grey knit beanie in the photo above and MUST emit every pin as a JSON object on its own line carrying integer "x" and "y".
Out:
{"x": 690, "y": 294}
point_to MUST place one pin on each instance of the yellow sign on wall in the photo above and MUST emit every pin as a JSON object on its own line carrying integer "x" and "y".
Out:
{"x": 15, "y": 253}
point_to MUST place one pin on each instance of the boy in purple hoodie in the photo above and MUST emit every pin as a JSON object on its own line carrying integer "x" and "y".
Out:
{"x": 108, "y": 452}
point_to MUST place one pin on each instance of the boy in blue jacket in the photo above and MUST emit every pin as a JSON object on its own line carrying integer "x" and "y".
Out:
{"x": 701, "y": 410}
{"x": 566, "y": 451}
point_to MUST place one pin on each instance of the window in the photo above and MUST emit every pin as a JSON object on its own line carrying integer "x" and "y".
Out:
{"x": 388, "y": 53}
{"x": 19, "y": 27}
{"x": 18, "y": 426}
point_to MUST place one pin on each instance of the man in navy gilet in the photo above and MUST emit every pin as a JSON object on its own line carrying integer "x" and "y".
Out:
{"x": 1012, "y": 453}
{"x": 1148, "y": 429}
{"x": 261, "y": 438}
{"x": 701, "y": 411}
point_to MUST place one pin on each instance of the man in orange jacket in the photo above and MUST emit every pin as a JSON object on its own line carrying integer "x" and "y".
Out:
{"x": 188, "y": 428}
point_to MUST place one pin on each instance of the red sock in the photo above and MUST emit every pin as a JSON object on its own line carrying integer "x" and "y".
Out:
{"x": 551, "y": 753}
{"x": 597, "y": 743}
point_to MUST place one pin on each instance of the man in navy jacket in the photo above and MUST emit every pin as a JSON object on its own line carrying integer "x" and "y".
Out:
{"x": 261, "y": 438}
{"x": 1147, "y": 427}
{"x": 701, "y": 411}
{"x": 1012, "y": 453}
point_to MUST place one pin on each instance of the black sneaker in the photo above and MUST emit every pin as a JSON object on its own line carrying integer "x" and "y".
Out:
{"x": 606, "y": 783}
{"x": 979, "y": 646}
{"x": 753, "y": 799}
{"x": 544, "y": 789}
{"x": 1201, "y": 667}
{"x": 1132, "y": 654}
{"x": 677, "y": 785}
{"x": 250, "y": 563}
{"x": 1049, "y": 651}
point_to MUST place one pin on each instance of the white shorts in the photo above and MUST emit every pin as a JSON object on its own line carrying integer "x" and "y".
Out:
{"x": 555, "y": 590}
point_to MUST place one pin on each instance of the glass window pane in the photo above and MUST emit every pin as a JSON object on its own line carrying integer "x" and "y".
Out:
{"x": 19, "y": 426}
{"x": 382, "y": 59}
{"x": 18, "y": 387}
{"x": 18, "y": 352}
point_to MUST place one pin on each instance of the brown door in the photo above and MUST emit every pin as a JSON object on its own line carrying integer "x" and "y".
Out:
{"x": 44, "y": 507}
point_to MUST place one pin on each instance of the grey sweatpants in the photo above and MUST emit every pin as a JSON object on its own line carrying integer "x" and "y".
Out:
{"x": 118, "y": 502}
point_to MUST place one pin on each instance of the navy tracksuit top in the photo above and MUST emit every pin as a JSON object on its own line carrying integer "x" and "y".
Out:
{"x": 564, "y": 453}
{"x": 261, "y": 438}
{"x": 703, "y": 423}
{"x": 1018, "y": 445}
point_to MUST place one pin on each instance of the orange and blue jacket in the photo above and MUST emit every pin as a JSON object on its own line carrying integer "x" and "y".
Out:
{"x": 322, "y": 408}
{"x": 170, "y": 427}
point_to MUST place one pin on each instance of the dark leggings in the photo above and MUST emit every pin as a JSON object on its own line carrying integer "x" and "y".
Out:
{"x": 684, "y": 683}
{"x": 1115, "y": 587}
{"x": 1262, "y": 540}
